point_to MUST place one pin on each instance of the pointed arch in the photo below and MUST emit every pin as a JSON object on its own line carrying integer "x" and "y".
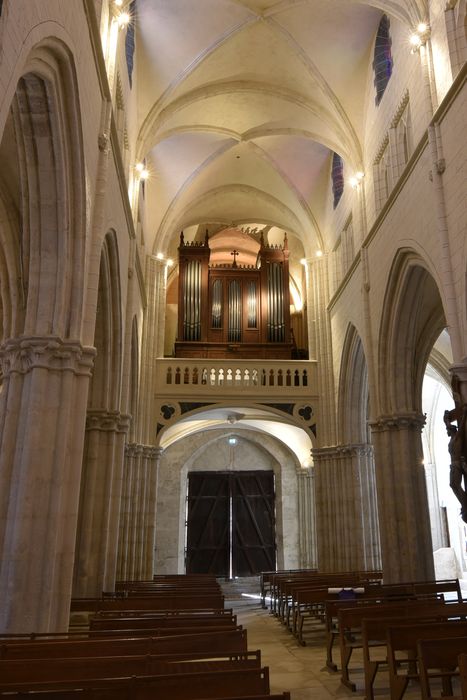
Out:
{"x": 47, "y": 127}
{"x": 106, "y": 381}
{"x": 353, "y": 391}
{"x": 413, "y": 318}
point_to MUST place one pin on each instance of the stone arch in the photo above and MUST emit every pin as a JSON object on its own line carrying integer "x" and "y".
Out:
{"x": 357, "y": 516}
{"x": 43, "y": 361}
{"x": 190, "y": 454}
{"x": 47, "y": 128}
{"x": 353, "y": 391}
{"x": 106, "y": 380}
{"x": 413, "y": 319}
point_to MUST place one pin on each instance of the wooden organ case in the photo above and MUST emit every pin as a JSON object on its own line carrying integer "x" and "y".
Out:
{"x": 233, "y": 310}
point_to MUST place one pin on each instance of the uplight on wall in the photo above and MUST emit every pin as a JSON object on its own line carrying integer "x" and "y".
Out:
{"x": 141, "y": 171}
{"x": 123, "y": 19}
{"x": 356, "y": 179}
{"x": 420, "y": 36}
{"x": 232, "y": 440}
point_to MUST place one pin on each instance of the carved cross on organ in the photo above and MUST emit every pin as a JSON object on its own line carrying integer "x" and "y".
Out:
{"x": 234, "y": 253}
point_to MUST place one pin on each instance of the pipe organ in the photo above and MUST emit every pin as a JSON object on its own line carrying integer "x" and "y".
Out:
{"x": 230, "y": 310}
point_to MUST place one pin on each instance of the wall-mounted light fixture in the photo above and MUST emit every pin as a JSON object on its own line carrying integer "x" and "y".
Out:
{"x": 141, "y": 171}
{"x": 356, "y": 179}
{"x": 232, "y": 440}
{"x": 419, "y": 36}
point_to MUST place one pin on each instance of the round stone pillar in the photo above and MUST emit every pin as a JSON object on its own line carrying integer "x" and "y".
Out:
{"x": 404, "y": 522}
{"x": 346, "y": 514}
{"x": 42, "y": 421}
{"x": 307, "y": 518}
{"x": 96, "y": 556}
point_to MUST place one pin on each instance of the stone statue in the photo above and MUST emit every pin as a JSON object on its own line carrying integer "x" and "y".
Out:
{"x": 458, "y": 446}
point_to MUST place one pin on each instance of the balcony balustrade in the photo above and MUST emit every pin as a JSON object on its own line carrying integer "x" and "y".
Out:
{"x": 221, "y": 378}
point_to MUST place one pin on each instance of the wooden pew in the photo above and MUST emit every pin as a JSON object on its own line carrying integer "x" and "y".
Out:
{"x": 463, "y": 674}
{"x": 374, "y": 635}
{"x": 182, "y": 686}
{"x": 174, "y": 601}
{"x": 172, "y": 623}
{"x": 16, "y": 672}
{"x": 440, "y": 659}
{"x": 231, "y": 641}
{"x": 191, "y": 647}
{"x": 402, "y": 647}
{"x": 350, "y": 621}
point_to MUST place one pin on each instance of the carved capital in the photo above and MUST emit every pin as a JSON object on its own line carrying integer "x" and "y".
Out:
{"x": 21, "y": 355}
{"x": 404, "y": 421}
{"x": 108, "y": 421}
{"x": 342, "y": 452}
{"x": 133, "y": 449}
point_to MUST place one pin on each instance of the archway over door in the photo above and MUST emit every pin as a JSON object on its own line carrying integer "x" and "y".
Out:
{"x": 210, "y": 450}
{"x": 230, "y": 523}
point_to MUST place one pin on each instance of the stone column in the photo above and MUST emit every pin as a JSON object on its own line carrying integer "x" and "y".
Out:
{"x": 96, "y": 556}
{"x": 307, "y": 518}
{"x": 137, "y": 521}
{"x": 347, "y": 521}
{"x": 124, "y": 549}
{"x": 154, "y": 456}
{"x": 42, "y": 420}
{"x": 406, "y": 547}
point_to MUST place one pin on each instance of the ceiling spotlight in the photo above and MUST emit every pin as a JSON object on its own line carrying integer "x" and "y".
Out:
{"x": 422, "y": 28}
{"x": 232, "y": 440}
{"x": 319, "y": 253}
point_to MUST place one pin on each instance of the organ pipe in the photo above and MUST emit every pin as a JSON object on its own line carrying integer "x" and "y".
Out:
{"x": 235, "y": 312}
{"x": 192, "y": 301}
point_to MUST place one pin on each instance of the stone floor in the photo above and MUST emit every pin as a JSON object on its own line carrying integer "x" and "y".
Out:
{"x": 301, "y": 670}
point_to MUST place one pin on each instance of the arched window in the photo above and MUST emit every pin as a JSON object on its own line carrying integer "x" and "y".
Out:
{"x": 382, "y": 59}
{"x": 337, "y": 176}
{"x": 130, "y": 42}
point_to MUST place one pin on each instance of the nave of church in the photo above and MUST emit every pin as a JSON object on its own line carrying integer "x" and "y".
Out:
{"x": 233, "y": 293}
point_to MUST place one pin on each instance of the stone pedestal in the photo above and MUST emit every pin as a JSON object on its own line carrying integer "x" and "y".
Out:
{"x": 406, "y": 547}
{"x": 96, "y": 545}
{"x": 42, "y": 421}
{"x": 346, "y": 513}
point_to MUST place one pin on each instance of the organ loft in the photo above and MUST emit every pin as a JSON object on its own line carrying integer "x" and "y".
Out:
{"x": 233, "y": 309}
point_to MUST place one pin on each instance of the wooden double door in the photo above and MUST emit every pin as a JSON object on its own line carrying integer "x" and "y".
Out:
{"x": 231, "y": 523}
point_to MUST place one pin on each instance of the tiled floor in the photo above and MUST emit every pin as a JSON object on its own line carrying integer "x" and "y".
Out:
{"x": 301, "y": 670}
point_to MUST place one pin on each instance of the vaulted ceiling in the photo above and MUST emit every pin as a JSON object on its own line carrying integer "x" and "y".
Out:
{"x": 241, "y": 102}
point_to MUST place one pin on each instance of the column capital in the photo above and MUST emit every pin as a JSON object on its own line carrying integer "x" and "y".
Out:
{"x": 23, "y": 354}
{"x": 342, "y": 451}
{"x": 112, "y": 421}
{"x": 403, "y": 421}
{"x": 148, "y": 451}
